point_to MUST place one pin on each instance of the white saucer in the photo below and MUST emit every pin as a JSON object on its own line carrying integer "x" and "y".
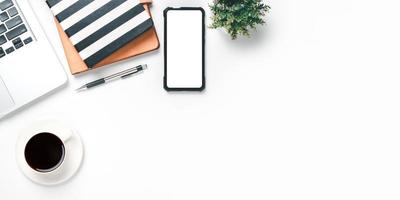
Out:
{"x": 73, "y": 152}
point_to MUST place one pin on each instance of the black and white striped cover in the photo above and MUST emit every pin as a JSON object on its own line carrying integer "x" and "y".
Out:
{"x": 98, "y": 28}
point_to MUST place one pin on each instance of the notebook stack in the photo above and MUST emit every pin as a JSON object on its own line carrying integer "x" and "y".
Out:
{"x": 95, "y": 33}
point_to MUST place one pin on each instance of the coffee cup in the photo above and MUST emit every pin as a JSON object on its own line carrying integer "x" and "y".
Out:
{"x": 44, "y": 152}
{"x": 49, "y": 152}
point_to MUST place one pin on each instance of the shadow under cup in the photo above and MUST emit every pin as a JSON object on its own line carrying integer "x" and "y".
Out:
{"x": 44, "y": 152}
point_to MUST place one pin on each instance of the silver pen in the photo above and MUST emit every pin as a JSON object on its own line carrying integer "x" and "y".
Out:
{"x": 119, "y": 75}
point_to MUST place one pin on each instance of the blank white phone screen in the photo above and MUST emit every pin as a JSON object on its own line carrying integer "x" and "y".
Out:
{"x": 184, "y": 48}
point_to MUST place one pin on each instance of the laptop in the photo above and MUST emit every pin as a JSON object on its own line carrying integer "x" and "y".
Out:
{"x": 29, "y": 67}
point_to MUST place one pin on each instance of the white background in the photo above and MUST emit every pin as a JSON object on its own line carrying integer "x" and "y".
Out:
{"x": 308, "y": 108}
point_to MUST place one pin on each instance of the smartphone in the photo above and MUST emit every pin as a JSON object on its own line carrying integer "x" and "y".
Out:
{"x": 184, "y": 41}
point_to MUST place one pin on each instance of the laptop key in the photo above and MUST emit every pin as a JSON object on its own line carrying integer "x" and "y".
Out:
{"x": 4, "y": 4}
{"x": 10, "y": 50}
{"x": 2, "y": 53}
{"x": 13, "y": 22}
{"x": 2, "y": 28}
{"x": 18, "y": 43}
{"x": 28, "y": 40}
{"x": 16, "y": 32}
{"x": 12, "y": 11}
{"x": 2, "y": 39}
{"x": 3, "y": 16}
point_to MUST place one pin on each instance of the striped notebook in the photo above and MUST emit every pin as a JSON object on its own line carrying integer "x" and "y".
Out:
{"x": 98, "y": 28}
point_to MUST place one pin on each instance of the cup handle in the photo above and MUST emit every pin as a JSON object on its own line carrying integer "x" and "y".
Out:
{"x": 65, "y": 138}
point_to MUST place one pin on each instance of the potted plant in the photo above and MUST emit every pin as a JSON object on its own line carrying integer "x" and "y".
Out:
{"x": 238, "y": 17}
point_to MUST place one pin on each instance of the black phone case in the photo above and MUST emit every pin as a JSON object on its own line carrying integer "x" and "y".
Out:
{"x": 166, "y": 53}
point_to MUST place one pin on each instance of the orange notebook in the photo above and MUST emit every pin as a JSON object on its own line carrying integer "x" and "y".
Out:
{"x": 147, "y": 42}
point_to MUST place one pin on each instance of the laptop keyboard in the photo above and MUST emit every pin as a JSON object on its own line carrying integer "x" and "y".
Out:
{"x": 13, "y": 31}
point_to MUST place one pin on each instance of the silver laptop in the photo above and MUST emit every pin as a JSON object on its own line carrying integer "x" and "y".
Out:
{"x": 29, "y": 68}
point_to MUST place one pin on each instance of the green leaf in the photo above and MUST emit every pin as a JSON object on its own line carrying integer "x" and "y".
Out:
{"x": 238, "y": 17}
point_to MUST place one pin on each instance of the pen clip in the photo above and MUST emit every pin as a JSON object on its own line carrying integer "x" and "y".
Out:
{"x": 130, "y": 74}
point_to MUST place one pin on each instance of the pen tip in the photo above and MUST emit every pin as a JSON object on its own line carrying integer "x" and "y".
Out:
{"x": 144, "y": 66}
{"x": 80, "y": 89}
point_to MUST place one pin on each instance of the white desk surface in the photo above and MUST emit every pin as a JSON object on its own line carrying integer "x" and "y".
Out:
{"x": 308, "y": 108}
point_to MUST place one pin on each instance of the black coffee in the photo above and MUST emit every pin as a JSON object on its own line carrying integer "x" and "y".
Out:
{"x": 44, "y": 152}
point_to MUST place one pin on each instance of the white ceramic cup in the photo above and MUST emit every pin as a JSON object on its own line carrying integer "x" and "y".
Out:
{"x": 73, "y": 152}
